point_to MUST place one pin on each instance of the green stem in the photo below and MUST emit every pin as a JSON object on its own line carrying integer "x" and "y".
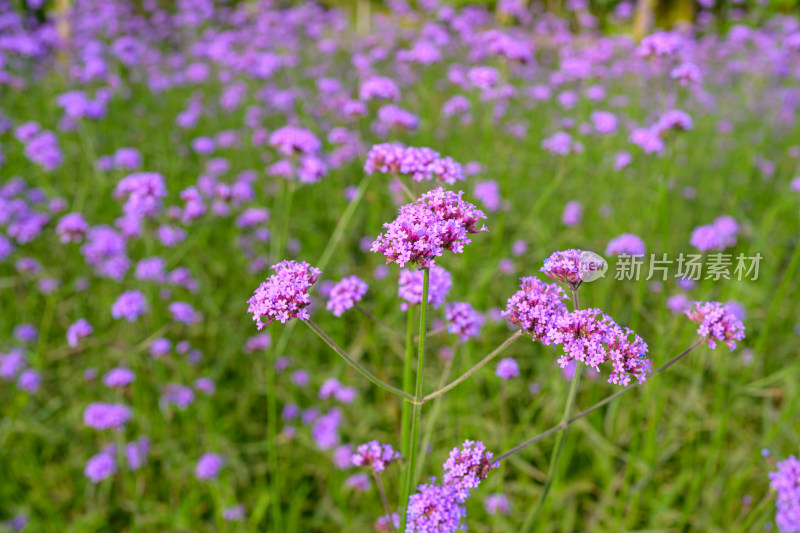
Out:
{"x": 596, "y": 406}
{"x": 352, "y": 362}
{"x": 405, "y": 428}
{"x": 434, "y": 415}
{"x": 344, "y": 221}
{"x": 560, "y": 438}
{"x": 497, "y": 351}
{"x": 382, "y": 492}
{"x": 416, "y": 411}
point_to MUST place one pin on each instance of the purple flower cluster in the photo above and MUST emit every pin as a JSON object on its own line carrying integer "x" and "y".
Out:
{"x": 439, "y": 220}
{"x": 591, "y": 337}
{"x": 717, "y": 236}
{"x": 208, "y": 466}
{"x": 284, "y": 295}
{"x": 626, "y": 244}
{"x": 440, "y": 508}
{"x": 345, "y": 295}
{"x": 290, "y": 140}
{"x": 463, "y": 320}
{"x": 507, "y": 368}
{"x": 143, "y": 192}
{"x": 569, "y": 266}
{"x": 106, "y": 415}
{"x": 130, "y": 305}
{"x": 536, "y": 306}
{"x": 717, "y": 323}
{"x": 420, "y": 164}
{"x": 410, "y": 286}
{"x": 786, "y": 482}
{"x": 375, "y": 456}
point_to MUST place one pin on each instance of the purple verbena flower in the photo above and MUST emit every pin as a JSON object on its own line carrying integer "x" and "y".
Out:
{"x": 106, "y": 415}
{"x": 375, "y": 455}
{"x": 463, "y": 320}
{"x": 717, "y": 323}
{"x": 119, "y": 377}
{"x": 100, "y": 467}
{"x": 130, "y": 305}
{"x": 536, "y": 306}
{"x": 786, "y": 482}
{"x": 284, "y": 295}
{"x": 346, "y": 294}
{"x": 439, "y": 220}
{"x": 507, "y": 368}
{"x": 208, "y": 466}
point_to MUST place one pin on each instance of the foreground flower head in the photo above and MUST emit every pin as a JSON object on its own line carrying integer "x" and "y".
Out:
{"x": 375, "y": 455}
{"x": 717, "y": 323}
{"x": 435, "y": 509}
{"x": 439, "y": 220}
{"x": 593, "y": 338}
{"x": 284, "y": 295}
{"x": 786, "y": 482}
{"x": 535, "y": 306}
{"x": 346, "y": 294}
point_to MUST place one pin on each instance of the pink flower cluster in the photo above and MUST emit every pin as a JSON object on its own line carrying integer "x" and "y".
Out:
{"x": 440, "y": 508}
{"x": 535, "y": 306}
{"x": 420, "y": 164}
{"x": 717, "y": 323}
{"x": 375, "y": 455}
{"x": 591, "y": 337}
{"x": 345, "y": 294}
{"x": 439, "y": 220}
{"x": 284, "y": 295}
{"x": 463, "y": 320}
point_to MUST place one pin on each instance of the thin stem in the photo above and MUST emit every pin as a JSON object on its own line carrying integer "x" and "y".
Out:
{"x": 416, "y": 411}
{"x": 596, "y": 406}
{"x": 552, "y": 469}
{"x": 406, "y": 190}
{"x": 434, "y": 415}
{"x": 382, "y": 492}
{"x": 497, "y": 351}
{"x": 344, "y": 221}
{"x": 367, "y": 313}
{"x": 405, "y": 427}
{"x": 360, "y": 369}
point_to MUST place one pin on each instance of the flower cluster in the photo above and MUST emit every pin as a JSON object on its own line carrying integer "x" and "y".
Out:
{"x": 786, "y": 481}
{"x": 284, "y": 295}
{"x": 463, "y": 320}
{"x": 420, "y": 164}
{"x": 564, "y": 266}
{"x": 345, "y": 294}
{"x": 439, "y": 220}
{"x": 716, "y": 236}
{"x": 440, "y": 508}
{"x": 717, "y": 323}
{"x": 375, "y": 455}
{"x": 536, "y": 306}
{"x": 106, "y": 415}
{"x": 591, "y": 337}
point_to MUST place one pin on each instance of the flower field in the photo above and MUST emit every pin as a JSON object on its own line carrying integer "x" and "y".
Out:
{"x": 273, "y": 266}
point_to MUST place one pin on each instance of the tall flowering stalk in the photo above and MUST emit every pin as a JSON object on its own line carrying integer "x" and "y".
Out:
{"x": 438, "y": 221}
